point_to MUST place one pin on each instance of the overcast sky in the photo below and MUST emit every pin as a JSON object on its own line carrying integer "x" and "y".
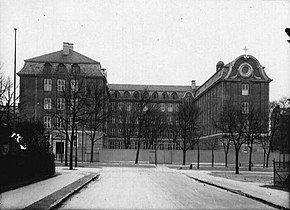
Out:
{"x": 152, "y": 42}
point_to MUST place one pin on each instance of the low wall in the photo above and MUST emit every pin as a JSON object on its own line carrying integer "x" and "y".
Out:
{"x": 175, "y": 156}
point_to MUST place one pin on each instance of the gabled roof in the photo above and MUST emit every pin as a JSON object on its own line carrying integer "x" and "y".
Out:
{"x": 58, "y": 57}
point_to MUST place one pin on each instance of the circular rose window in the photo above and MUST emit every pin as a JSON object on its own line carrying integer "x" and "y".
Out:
{"x": 245, "y": 70}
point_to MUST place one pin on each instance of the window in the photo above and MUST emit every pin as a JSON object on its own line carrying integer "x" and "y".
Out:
{"x": 112, "y": 132}
{"x": 47, "y": 103}
{"x": 120, "y": 119}
{"x": 170, "y": 133}
{"x": 75, "y": 69}
{"x": 60, "y": 103}
{"x": 120, "y": 132}
{"x": 59, "y": 123}
{"x": 169, "y": 120}
{"x": 188, "y": 100}
{"x": 113, "y": 119}
{"x": 177, "y": 107}
{"x": 245, "y": 89}
{"x": 129, "y": 107}
{"x": 74, "y": 104}
{"x": 47, "y": 68}
{"x": 162, "y": 107}
{"x": 120, "y": 144}
{"x": 170, "y": 108}
{"x": 61, "y": 68}
{"x": 47, "y": 84}
{"x": 74, "y": 85}
{"x": 47, "y": 121}
{"x": 112, "y": 145}
{"x": 245, "y": 107}
{"x": 60, "y": 85}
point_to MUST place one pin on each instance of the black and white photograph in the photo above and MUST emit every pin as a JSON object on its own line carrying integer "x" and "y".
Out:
{"x": 144, "y": 104}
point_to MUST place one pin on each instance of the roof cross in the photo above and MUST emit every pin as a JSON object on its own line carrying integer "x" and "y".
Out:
{"x": 245, "y": 49}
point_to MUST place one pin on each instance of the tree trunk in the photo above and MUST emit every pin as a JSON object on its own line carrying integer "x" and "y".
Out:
{"x": 92, "y": 152}
{"x": 66, "y": 151}
{"x": 267, "y": 159}
{"x": 264, "y": 159}
{"x": 226, "y": 159}
{"x": 71, "y": 154}
{"x": 184, "y": 156}
{"x": 212, "y": 158}
{"x": 198, "y": 155}
{"x": 137, "y": 154}
{"x": 237, "y": 161}
{"x": 250, "y": 156}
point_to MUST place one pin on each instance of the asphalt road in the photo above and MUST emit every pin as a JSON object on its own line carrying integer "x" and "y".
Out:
{"x": 154, "y": 188}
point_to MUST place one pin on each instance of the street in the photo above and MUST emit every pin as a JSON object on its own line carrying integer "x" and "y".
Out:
{"x": 154, "y": 188}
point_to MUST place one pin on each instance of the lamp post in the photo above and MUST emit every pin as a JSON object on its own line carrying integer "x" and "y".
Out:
{"x": 14, "y": 85}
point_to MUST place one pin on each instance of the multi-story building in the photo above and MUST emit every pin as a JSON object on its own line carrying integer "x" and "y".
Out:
{"x": 242, "y": 82}
{"x": 46, "y": 81}
{"x": 167, "y": 97}
{"x": 44, "y": 78}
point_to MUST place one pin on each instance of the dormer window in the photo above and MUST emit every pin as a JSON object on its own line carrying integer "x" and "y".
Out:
{"x": 61, "y": 68}
{"x": 75, "y": 69}
{"x": 47, "y": 68}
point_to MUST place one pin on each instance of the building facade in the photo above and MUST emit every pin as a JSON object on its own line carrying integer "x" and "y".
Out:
{"x": 52, "y": 87}
{"x": 44, "y": 79}
{"x": 242, "y": 82}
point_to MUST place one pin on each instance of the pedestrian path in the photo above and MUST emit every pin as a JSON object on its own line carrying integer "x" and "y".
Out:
{"x": 276, "y": 197}
{"x": 27, "y": 195}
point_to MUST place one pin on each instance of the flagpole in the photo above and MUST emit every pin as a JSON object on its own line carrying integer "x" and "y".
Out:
{"x": 14, "y": 94}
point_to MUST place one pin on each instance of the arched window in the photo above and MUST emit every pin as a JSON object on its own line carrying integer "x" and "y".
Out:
{"x": 75, "y": 69}
{"x": 155, "y": 95}
{"x": 136, "y": 95}
{"x": 126, "y": 94}
{"x": 61, "y": 67}
{"x": 174, "y": 95}
{"x": 47, "y": 67}
{"x": 145, "y": 94}
{"x": 116, "y": 94}
{"x": 164, "y": 95}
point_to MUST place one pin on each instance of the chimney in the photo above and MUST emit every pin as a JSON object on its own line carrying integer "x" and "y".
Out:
{"x": 71, "y": 46}
{"x": 193, "y": 85}
{"x": 65, "y": 50}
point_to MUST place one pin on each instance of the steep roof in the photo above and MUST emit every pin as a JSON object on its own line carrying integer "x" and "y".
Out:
{"x": 58, "y": 57}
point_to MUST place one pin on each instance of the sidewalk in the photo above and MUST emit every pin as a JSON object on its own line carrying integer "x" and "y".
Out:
{"x": 53, "y": 189}
{"x": 278, "y": 198}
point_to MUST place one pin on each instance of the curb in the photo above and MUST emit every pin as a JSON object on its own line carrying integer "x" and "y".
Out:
{"x": 57, "y": 197}
{"x": 239, "y": 192}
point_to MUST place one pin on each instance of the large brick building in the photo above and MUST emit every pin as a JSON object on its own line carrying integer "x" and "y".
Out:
{"x": 43, "y": 82}
{"x": 242, "y": 81}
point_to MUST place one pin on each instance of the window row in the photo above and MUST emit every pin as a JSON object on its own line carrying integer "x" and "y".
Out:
{"x": 61, "y": 68}
{"x": 128, "y": 106}
{"x": 114, "y": 132}
{"x": 126, "y": 119}
{"x": 145, "y": 94}
{"x": 59, "y": 122}
{"x": 134, "y": 145}
{"x": 60, "y": 85}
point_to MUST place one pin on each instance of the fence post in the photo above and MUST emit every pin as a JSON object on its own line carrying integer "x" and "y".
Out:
{"x": 274, "y": 170}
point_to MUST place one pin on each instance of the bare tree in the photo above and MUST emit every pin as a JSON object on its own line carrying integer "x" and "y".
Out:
{"x": 96, "y": 113}
{"x": 255, "y": 127}
{"x": 188, "y": 126}
{"x": 231, "y": 122}
{"x": 212, "y": 144}
{"x": 69, "y": 110}
{"x": 128, "y": 116}
{"x": 143, "y": 106}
